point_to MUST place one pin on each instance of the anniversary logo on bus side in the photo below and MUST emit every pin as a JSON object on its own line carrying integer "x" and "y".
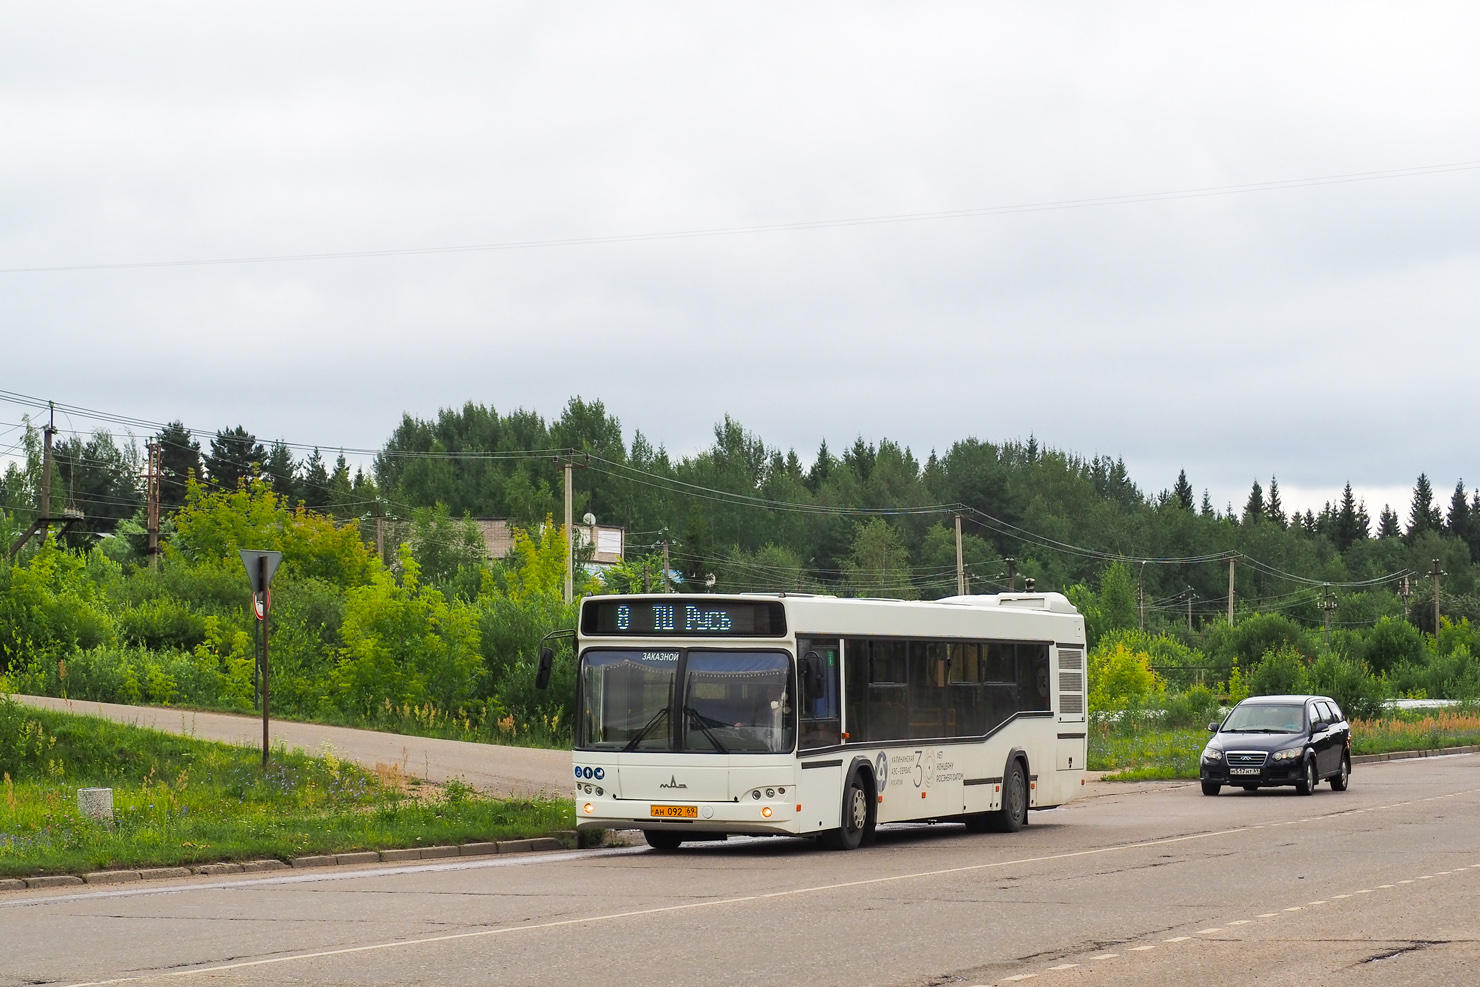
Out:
{"x": 881, "y": 772}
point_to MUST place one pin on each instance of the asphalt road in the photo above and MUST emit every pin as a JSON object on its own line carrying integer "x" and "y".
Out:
{"x": 1377, "y": 885}
{"x": 497, "y": 770}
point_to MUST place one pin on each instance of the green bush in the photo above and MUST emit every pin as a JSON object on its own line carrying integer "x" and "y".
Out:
{"x": 164, "y": 623}
{"x": 1279, "y": 672}
{"x": 1356, "y": 690}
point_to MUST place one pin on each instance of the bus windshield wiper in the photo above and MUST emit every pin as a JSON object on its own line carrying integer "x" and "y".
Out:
{"x": 704, "y": 727}
{"x": 632, "y": 744}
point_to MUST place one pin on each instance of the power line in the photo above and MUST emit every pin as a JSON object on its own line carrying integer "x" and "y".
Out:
{"x": 728, "y": 231}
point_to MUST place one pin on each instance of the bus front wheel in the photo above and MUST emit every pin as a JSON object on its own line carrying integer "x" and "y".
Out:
{"x": 855, "y": 820}
{"x": 662, "y": 840}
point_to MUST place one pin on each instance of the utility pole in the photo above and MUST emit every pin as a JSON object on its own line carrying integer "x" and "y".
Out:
{"x": 1230, "y": 592}
{"x": 156, "y": 455}
{"x": 1190, "y": 595}
{"x": 1405, "y": 590}
{"x": 960, "y": 562}
{"x": 1141, "y": 595}
{"x": 647, "y": 583}
{"x": 1011, "y": 575}
{"x": 1328, "y": 604}
{"x": 43, "y": 517}
{"x": 666, "y": 566}
{"x": 570, "y": 538}
{"x": 1436, "y": 572}
{"x": 380, "y": 536}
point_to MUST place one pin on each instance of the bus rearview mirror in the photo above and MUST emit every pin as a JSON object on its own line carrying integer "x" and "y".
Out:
{"x": 547, "y": 664}
{"x": 813, "y": 679}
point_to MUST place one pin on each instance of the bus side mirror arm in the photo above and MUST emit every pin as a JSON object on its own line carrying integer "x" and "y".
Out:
{"x": 547, "y": 657}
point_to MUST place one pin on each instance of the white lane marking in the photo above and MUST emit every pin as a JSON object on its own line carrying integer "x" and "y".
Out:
{"x": 1177, "y": 939}
{"x": 1267, "y": 915}
{"x": 1293, "y": 908}
{"x": 1336, "y": 896}
{"x": 1426, "y": 877}
{"x": 1405, "y": 882}
{"x": 315, "y": 877}
{"x": 1021, "y": 976}
{"x": 1204, "y": 932}
{"x": 1380, "y": 887}
{"x": 1239, "y": 921}
{"x": 1315, "y": 902}
{"x": 1105, "y": 956}
{"x": 613, "y": 916}
{"x": 1064, "y": 966}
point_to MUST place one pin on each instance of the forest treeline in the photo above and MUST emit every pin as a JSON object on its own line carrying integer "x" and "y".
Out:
{"x": 389, "y": 609}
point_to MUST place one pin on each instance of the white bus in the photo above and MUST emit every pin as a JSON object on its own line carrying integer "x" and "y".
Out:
{"x": 703, "y": 716}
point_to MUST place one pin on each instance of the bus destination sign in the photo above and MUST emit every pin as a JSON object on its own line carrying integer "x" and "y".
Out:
{"x": 684, "y": 618}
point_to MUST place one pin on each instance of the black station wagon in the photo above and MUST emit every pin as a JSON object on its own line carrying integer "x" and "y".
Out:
{"x": 1269, "y": 741}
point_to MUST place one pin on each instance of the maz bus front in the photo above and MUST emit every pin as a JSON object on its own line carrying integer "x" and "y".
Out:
{"x": 703, "y": 716}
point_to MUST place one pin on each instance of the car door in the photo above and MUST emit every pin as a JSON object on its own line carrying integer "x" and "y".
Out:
{"x": 1325, "y": 739}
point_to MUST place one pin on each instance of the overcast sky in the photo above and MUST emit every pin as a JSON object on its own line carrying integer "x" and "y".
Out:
{"x": 1321, "y": 333}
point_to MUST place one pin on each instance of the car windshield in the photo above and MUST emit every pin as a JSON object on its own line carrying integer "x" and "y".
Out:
{"x": 1265, "y": 718}
{"x": 732, "y": 702}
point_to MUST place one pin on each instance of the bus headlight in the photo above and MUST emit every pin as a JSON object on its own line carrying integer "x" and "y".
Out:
{"x": 766, "y": 811}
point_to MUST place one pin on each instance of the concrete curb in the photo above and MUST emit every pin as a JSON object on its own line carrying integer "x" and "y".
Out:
{"x": 258, "y": 866}
{"x": 1406, "y": 755}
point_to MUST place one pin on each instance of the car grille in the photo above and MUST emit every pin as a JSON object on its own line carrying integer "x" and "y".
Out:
{"x": 1246, "y": 759}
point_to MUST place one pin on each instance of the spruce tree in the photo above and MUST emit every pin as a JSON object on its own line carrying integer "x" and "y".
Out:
{"x": 1254, "y": 506}
{"x": 1423, "y": 514}
{"x": 315, "y": 485}
{"x": 1387, "y": 523}
{"x": 282, "y": 472}
{"x": 1207, "y": 505}
{"x": 1459, "y": 522}
{"x": 179, "y": 458}
{"x": 1183, "y": 492}
{"x": 236, "y": 456}
{"x": 1349, "y": 526}
{"x": 1274, "y": 509}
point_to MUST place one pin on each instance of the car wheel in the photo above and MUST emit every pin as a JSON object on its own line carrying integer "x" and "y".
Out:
{"x": 855, "y": 819}
{"x": 662, "y": 840}
{"x": 1342, "y": 778}
{"x": 1211, "y": 787}
{"x": 1308, "y": 780}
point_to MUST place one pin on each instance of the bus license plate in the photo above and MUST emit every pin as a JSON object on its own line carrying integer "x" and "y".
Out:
{"x": 1243, "y": 771}
{"x": 676, "y": 811}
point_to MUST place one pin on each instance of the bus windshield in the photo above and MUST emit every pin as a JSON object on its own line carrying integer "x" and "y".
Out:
{"x": 731, "y": 702}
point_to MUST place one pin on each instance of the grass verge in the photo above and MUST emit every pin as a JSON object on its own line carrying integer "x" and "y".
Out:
{"x": 179, "y": 801}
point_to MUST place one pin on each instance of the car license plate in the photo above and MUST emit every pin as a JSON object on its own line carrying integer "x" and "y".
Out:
{"x": 676, "y": 811}
{"x": 1243, "y": 771}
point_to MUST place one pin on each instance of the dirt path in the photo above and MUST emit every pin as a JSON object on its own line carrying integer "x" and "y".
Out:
{"x": 498, "y": 770}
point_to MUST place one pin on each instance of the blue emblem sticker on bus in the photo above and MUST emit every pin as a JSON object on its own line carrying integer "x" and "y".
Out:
{"x": 578, "y": 770}
{"x": 881, "y": 771}
{"x": 586, "y": 772}
{"x": 600, "y": 773}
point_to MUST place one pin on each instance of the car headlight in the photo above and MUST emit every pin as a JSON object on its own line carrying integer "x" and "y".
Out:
{"x": 1289, "y": 753}
{"x": 1209, "y": 754}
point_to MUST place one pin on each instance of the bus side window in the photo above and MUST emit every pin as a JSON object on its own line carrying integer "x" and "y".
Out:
{"x": 821, "y": 721}
{"x": 1033, "y": 681}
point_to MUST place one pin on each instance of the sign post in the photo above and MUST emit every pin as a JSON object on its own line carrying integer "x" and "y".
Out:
{"x": 260, "y": 566}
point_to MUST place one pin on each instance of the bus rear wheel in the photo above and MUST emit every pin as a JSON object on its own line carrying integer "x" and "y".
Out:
{"x": 855, "y": 821}
{"x": 662, "y": 839}
{"x": 1013, "y": 815}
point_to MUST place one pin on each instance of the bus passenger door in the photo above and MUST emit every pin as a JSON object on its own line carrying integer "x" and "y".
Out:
{"x": 820, "y": 781}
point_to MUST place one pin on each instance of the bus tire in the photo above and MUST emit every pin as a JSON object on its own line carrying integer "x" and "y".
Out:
{"x": 979, "y": 822}
{"x": 661, "y": 839}
{"x": 855, "y": 818}
{"x": 1013, "y": 815}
